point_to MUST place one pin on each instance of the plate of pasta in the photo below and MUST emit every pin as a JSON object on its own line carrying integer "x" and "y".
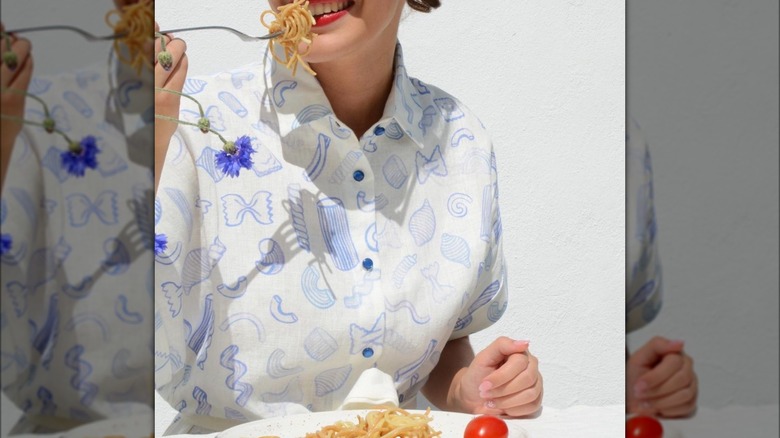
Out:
{"x": 363, "y": 424}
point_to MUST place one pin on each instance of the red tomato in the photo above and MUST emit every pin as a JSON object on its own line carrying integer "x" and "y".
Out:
{"x": 486, "y": 426}
{"x": 644, "y": 427}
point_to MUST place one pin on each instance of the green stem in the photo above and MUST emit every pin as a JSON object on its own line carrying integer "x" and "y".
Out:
{"x": 162, "y": 40}
{"x": 7, "y": 38}
{"x": 200, "y": 108}
{"x": 28, "y": 94}
{"x": 30, "y": 122}
{"x": 182, "y": 122}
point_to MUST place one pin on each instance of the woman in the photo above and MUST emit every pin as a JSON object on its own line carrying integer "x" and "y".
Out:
{"x": 366, "y": 235}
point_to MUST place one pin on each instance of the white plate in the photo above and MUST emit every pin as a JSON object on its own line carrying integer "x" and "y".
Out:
{"x": 137, "y": 426}
{"x": 450, "y": 424}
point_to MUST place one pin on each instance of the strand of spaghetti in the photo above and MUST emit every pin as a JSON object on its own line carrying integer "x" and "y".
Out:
{"x": 295, "y": 21}
{"x": 136, "y": 21}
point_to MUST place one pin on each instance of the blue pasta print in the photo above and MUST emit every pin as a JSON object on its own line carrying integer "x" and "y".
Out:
{"x": 460, "y": 136}
{"x": 245, "y": 318}
{"x": 236, "y": 290}
{"x": 39, "y": 86}
{"x": 321, "y": 298}
{"x": 81, "y": 208}
{"x": 194, "y": 86}
{"x": 320, "y": 345}
{"x": 336, "y": 232}
{"x": 235, "y": 208}
{"x": 405, "y": 371}
{"x": 124, "y": 313}
{"x": 433, "y": 165}
{"x": 125, "y": 89}
{"x": 456, "y": 249}
{"x": 278, "y": 313}
{"x": 200, "y": 340}
{"x": 232, "y": 102}
{"x": 238, "y": 370}
{"x": 78, "y": 103}
{"x": 485, "y": 297}
{"x": 238, "y": 78}
{"x": 271, "y": 257}
{"x": 292, "y": 393}
{"x": 331, "y": 380}
{"x": 202, "y": 398}
{"x": 310, "y": 114}
{"x": 317, "y": 164}
{"x": 426, "y": 121}
{"x": 199, "y": 263}
{"x": 362, "y": 338}
{"x": 408, "y": 305}
{"x": 376, "y": 204}
{"x": 422, "y": 224}
{"x": 298, "y": 219}
{"x": 275, "y": 367}
{"x": 365, "y": 287}
{"x": 395, "y": 172}
{"x": 280, "y": 90}
{"x": 449, "y": 108}
{"x": 441, "y": 292}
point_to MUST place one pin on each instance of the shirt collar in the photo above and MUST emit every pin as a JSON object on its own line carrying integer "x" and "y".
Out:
{"x": 300, "y": 101}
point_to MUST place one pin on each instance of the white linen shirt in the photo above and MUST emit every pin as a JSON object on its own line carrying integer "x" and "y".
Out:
{"x": 77, "y": 283}
{"x": 332, "y": 255}
{"x": 643, "y": 268}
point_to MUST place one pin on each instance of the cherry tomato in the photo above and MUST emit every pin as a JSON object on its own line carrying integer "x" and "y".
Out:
{"x": 644, "y": 427}
{"x": 486, "y": 426}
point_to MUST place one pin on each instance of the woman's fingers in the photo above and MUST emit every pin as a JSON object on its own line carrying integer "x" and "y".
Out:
{"x": 9, "y": 73}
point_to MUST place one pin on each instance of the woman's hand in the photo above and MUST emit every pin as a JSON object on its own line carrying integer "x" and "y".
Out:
{"x": 12, "y": 103}
{"x": 167, "y": 104}
{"x": 503, "y": 379}
{"x": 660, "y": 380}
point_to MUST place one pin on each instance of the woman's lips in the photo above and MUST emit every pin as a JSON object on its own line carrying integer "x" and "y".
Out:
{"x": 327, "y": 12}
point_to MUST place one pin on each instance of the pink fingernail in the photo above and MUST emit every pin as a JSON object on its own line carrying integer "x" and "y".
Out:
{"x": 522, "y": 342}
{"x": 485, "y": 386}
{"x": 677, "y": 343}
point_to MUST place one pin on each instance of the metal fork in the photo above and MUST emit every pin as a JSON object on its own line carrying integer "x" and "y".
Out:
{"x": 242, "y": 35}
{"x": 82, "y": 32}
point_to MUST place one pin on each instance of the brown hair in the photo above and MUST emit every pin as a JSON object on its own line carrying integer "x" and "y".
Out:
{"x": 423, "y": 5}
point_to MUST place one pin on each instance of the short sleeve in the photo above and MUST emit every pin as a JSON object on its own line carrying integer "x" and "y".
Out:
{"x": 489, "y": 299}
{"x": 177, "y": 216}
{"x": 643, "y": 270}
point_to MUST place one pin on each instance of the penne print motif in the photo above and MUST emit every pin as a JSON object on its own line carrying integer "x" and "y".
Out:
{"x": 336, "y": 233}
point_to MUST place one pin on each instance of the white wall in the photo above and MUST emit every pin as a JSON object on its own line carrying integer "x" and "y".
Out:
{"x": 702, "y": 83}
{"x": 547, "y": 79}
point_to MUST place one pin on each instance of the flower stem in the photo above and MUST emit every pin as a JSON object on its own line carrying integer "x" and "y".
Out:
{"x": 200, "y": 108}
{"x": 7, "y": 38}
{"x": 28, "y": 94}
{"x": 182, "y": 122}
{"x": 30, "y": 122}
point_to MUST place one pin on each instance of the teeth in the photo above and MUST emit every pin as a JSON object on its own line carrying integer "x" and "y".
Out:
{"x": 325, "y": 8}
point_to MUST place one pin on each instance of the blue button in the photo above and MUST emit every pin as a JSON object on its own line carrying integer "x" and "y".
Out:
{"x": 379, "y": 130}
{"x": 368, "y": 264}
{"x": 368, "y": 352}
{"x": 358, "y": 175}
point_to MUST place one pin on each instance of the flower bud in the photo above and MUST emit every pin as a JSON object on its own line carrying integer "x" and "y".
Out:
{"x": 49, "y": 124}
{"x": 204, "y": 124}
{"x": 165, "y": 59}
{"x": 229, "y": 147}
{"x": 10, "y": 59}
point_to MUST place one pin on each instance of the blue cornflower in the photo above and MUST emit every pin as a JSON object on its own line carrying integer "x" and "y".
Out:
{"x": 234, "y": 156}
{"x": 80, "y": 156}
{"x": 160, "y": 243}
{"x": 5, "y": 243}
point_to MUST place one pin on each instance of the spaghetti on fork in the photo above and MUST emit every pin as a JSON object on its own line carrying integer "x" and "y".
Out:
{"x": 295, "y": 21}
{"x": 137, "y": 22}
